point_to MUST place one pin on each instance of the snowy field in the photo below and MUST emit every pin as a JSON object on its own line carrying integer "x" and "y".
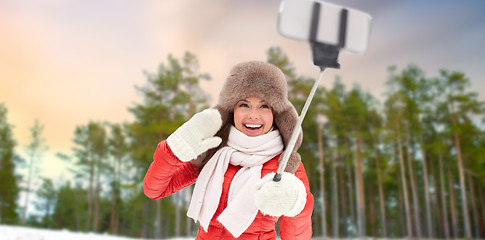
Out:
{"x": 25, "y": 233}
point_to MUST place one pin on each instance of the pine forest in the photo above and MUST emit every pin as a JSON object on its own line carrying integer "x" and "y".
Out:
{"x": 408, "y": 164}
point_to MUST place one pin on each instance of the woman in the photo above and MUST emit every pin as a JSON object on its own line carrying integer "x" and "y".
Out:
{"x": 231, "y": 152}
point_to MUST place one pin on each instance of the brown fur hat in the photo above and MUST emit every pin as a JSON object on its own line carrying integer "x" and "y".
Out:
{"x": 264, "y": 80}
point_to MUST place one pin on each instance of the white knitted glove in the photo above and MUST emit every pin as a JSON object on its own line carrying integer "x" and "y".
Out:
{"x": 286, "y": 197}
{"x": 196, "y": 135}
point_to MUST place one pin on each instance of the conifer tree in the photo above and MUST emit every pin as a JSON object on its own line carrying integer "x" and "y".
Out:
{"x": 90, "y": 153}
{"x": 9, "y": 181}
{"x": 34, "y": 151}
{"x": 459, "y": 107}
{"x": 170, "y": 97}
{"x": 46, "y": 201}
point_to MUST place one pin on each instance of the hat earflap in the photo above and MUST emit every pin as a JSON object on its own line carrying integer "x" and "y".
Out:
{"x": 286, "y": 121}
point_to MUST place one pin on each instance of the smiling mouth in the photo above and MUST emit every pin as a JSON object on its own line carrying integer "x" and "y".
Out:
{"x": 253, "y": 126}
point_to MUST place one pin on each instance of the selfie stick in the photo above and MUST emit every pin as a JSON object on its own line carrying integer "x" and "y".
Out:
{"x": 324, "y": 56}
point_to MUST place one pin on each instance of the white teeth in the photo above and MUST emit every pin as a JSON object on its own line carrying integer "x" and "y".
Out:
{"x": 253, "y": 125}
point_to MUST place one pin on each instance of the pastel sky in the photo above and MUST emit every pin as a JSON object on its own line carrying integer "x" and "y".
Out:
{"x": 67, "y": 62}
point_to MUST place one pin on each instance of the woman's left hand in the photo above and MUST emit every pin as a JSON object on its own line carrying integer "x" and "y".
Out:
{"x": 286, "y": 197}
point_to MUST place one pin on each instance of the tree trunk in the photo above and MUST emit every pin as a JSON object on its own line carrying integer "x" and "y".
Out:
{"x": 49, "y": 203}
{"x": 403, "y": 181}
{"x": 359, "y": 182}
{"x": 158, "y": 219}
{"x": 434, "y": 199}
{"x": 466, "y": 219}
{"x": 401, "y": 212}
{"x": 426, "y": 188}
{"x": 443, "y": 198}
{"x": 454, "y": 220}
{"x": 381, "y": 192}
{"x": 371, "y": 212}
{"x": 178, "y": 197}
{"x": 322, "y": 179}
{"x": 343, "y": 198}
{"x": 146, "y": 219}
{"x": 189, "y": 220}
{"x": 482, "y": 210}
{"x": 114, "y": 218}
{"x": 115, "y": 195}
{"x": 133, "y": 216}
{"x": 335, "y": 212}
{"x": 350, "y": 181}
{"x": 474, "y": 205}
{"x": 416, "y": 208}
{"x": 461, "y": 174}
{"x": 27, "y": 194}
{"x": 90, "y": 196}
{"x": 77, "y": 216}
{"x": 96, "y": 202}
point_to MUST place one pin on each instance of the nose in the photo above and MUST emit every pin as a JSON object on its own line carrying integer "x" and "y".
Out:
{"x": 253, "y": 114}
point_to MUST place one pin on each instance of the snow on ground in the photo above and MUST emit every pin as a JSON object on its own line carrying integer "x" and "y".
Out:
{"x": 24, "y": 233}
{"x": 8, "y": 232}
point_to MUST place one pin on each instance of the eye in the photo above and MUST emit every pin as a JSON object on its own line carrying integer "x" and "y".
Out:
{"x": 243, "y": 105}
{"x": 265, "y": 106}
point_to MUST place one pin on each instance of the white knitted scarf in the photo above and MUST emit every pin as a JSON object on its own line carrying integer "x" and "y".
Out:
{"x": 250, "y": 153}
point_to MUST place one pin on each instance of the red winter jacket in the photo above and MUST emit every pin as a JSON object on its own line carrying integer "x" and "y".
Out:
{"x": 167, "y": 174}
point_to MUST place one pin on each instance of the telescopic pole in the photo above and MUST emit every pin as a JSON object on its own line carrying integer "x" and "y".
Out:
{"x": 324, "y": 56}
{"x": 296, "y": 131}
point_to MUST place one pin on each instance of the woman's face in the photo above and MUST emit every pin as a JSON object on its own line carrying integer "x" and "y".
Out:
{"x": 253, "y": 116}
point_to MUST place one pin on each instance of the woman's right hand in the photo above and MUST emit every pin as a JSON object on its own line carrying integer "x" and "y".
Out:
{"x": 196, "y": 136}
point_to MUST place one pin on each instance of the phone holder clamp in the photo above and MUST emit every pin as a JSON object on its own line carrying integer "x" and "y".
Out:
{"x": 326, "y": 55}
